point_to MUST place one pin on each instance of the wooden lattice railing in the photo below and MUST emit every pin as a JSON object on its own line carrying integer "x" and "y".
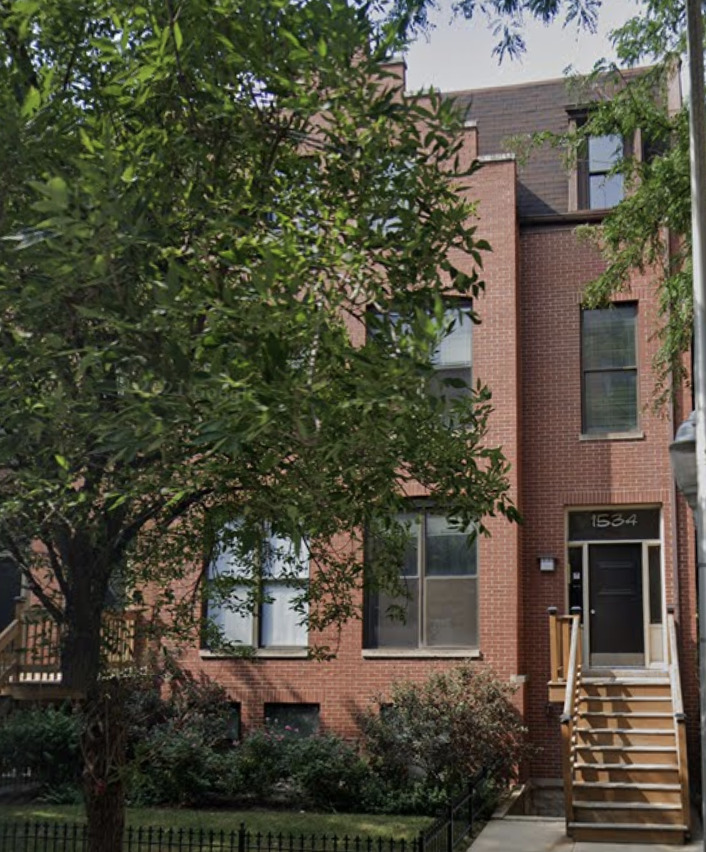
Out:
{"x": 30, "y": 645}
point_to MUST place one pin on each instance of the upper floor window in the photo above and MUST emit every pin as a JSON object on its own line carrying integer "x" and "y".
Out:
{"x": 598, "y": 188}
{"x": 266, "y": 611}
{"x": 609, "y": 367}
{"x": 453, "y": 358}
{"x": 439, "y": 573}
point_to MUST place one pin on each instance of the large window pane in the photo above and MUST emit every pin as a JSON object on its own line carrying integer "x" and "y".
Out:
{"x": 233, "y": 619}
{"x": 395, "y": 620}
{"x": 605, "y": 191}
{"x": 456, "y": 347}
{"x": 604, "y": 152}
{"x": 610, "y": 403}
{"x": 451, "y": 612}
{"x": 410, "y": 560}
{"x": 447, "y": 550}
{"x": 280, "y": 623}
{"x": 608, "y": 337}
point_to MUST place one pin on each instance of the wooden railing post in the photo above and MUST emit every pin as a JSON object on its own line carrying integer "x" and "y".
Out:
{"x": 553, "y": 645}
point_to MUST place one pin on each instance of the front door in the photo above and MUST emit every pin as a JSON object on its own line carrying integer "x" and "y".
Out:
{"x": 616, "y": 614}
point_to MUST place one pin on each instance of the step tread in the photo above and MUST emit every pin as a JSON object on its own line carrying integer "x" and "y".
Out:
{"x": 648, "y": 747}
{"x": 640, "y": 731}
{"x": 629, "y": 826}
{"x": 588, "y": 680}
{"x": 647, "y": 714}
{"x": 585, "y": 697}
{"x": 623, "y": 785}
{"x": 627, "y": 806}
{"x": 669, "y": 767}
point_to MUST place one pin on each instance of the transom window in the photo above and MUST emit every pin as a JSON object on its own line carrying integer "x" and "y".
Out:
{"x": 609, "y": 365}
{"x": 267, "y": 611}
{"x": 439, "y": 573}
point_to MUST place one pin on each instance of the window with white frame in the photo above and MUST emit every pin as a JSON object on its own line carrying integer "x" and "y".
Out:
{"x": 264, "y": 605}
{"x": 439, "y": 575}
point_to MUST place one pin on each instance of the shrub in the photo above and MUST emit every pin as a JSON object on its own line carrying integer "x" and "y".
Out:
{"x": 175, "y": 765}
{"x": 327, "y": 772}
{"x": 257, "y": 765}
{"x": 438, "y": 734}
{"x": 43, "y": 740}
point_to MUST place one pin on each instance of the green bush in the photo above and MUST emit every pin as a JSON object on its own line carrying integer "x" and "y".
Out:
{"x": 256, "y": 765}
{"x": 327, "y": 772}
{"x": 43, "y": 740}
{"x": 175, "y": 766}
{"x": 434, "y": 736}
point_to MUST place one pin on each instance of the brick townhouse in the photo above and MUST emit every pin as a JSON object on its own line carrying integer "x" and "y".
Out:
{"x": 604, "y": 529}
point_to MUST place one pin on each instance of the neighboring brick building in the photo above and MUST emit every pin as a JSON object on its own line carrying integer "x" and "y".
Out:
{"x": 572, "y": 393}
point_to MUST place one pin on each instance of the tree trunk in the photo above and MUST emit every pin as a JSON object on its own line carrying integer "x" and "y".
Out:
{"x": 103, "y": 745}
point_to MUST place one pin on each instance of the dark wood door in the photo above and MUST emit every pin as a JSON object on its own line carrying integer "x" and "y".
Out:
{"x": 617, "y": 633}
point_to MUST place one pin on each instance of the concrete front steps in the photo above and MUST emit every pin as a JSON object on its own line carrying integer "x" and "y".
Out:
{"x": 625, "y": 759}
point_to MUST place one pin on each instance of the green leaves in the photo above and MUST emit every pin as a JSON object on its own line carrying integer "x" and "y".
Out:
{"x": 209, "y": 203}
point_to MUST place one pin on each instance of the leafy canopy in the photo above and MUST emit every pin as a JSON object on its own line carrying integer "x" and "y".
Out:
{"x": 202, "y": 205}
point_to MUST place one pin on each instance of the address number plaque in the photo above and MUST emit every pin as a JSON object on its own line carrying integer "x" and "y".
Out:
{"x": 614, "y": 525}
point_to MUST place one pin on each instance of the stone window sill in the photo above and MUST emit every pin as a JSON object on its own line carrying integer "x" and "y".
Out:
{"x": 613, "y": 436}
{"x": 259, "y": 654}
{"x": 421, "y": 653}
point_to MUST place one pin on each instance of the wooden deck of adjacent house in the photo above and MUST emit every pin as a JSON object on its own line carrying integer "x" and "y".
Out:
{"x": 30, "y": 665}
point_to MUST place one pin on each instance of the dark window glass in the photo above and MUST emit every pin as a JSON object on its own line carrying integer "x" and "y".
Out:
{"x": 655, "y": 571}
{"x": 609, "y": 364}
{"x": 233, "y": 730}
{"x": 598, "y": 189}
{"x": 440, "y": 576}
{"x": 576, "y": 577}
{"x": 302, "y": 719}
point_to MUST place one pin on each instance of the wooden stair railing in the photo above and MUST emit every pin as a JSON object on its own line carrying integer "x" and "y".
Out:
{"x": 30, "y": 646}
{"x": 679, "y": 718}
{"x": 559, "y": 652}
{"x": 573, "y": 674}
{"x": 10, "y": 641}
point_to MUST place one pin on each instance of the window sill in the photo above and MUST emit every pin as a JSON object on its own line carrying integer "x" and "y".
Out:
{"x": 421, "y": 653}
{"x": 258, "y": 653}
{"x": 638, "y": 435}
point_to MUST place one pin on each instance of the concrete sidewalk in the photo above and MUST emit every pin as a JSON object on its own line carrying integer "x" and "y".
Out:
{"x": 542, "y": 834}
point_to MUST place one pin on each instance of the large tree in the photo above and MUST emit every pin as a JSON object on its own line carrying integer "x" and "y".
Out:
{"x": 201, "y": 205}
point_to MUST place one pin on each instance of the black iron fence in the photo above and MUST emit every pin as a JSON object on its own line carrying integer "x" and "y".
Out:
{"x": 54, "y": 837}
{"x": 456, "y": 825}
{"x": 445, "y": 835}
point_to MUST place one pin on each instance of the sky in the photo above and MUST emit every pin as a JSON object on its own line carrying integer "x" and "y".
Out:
{"x": 458, "y": 55}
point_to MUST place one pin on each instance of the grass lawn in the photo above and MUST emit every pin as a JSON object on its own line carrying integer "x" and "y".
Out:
{"x": 361, "y": 825}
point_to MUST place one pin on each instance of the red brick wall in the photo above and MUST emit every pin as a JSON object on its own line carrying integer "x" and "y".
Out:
{"x": 562, "y": 471}
{"x": 344, "y": 685}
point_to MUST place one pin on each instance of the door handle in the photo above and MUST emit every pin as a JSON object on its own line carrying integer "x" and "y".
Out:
{"x": 593, "y": 612}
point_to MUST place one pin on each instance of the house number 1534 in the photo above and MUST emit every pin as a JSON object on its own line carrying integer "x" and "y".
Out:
{"x": 601, "y": 520}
